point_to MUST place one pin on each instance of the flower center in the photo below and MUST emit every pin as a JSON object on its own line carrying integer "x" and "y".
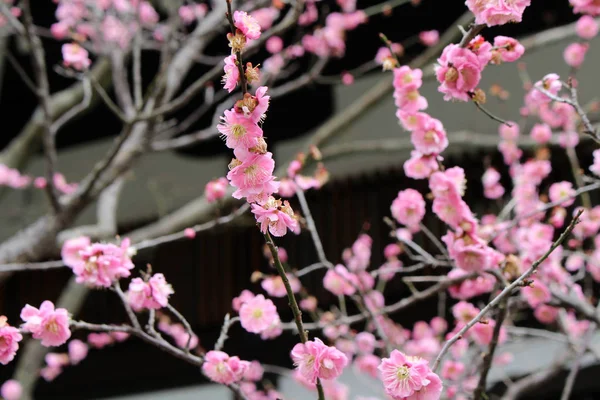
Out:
{"x": 402, "y": 372}
{"x": 238, "y": 131}
{"x": 451, "y": 75}
{"x": 52, "y": 326}
{"x": 412, "y": 95}
{"x": 407, "y": 78}
{"x": 258, "y": 313}
{"x": 430, "y": 136}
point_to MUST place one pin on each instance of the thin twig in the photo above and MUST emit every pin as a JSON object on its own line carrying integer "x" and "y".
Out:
{"x": 227, "y": 323}
{"x": 128, "y": 309}
{"x": 185, "y": 323}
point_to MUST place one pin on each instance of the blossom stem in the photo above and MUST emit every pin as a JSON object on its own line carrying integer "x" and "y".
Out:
{"x": 506, "y": 292}
{"x": 489, "y": 356}
{"x": 291, "y": 298}
{"x": 185, "y": 323}
{"x": 130, "y": 313}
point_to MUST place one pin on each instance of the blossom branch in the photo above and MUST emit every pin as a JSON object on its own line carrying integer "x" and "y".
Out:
{"x": 506, "y": 292}
{"x": 227, "y": 323}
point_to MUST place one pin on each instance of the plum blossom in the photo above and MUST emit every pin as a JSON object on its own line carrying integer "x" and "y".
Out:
{"x": 75, "y": 56}
{"x": 221, "y": 368}
{"x": 276, "y": 216}
{"x": 151, "y": 295}
{"x": 238, "y": 130}
{"x": 507, "y": 49}
{"x": 429, "y": 38}
{"x": 314, "y": 359}
{"x": 497, "y": 12}
{"x": 586, "y": 27}
{"x": 11, "y": 390}
{"x": 247, "y": 24}
{"x": 257, "y": 314}
{"x": 253, "y": 178}
{"x": 232, "y": 73}
{"x": 562, "y": 191}
{"x": 429, "y": 137}
{"x": 406, "y": 376}
{"x": 458, "y": 71}
{"x": 78, "y": 351}
{"x": 9, "y": 341}
{"x": 409, "y": 208}
{"x": 97, "y": 264}
{"x": 591, "y": 7}
{"x": 46, "y": 323}
{"x": 339, "y": 281}
{"x": 574, "y": 54}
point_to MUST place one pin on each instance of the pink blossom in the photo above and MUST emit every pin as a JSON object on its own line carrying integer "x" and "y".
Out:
{"x": 274, "y": 330}
{"x": 347, "y": 6}
{"x": 411, "y": 121}
{"x": 464, "y": 312}
{"x": 409, "y": 99}
{"x": 253, "y": 178}
{"x": 72, "y": 248}
{"x": 497, "y": 12}
{"x": 509, "y": 49}
{"x": 339, "y": 281}
{"x": 114, "y": 31}
{"x": 368, "y": 363}
{"x": 366, "y": 342}
{"x": 9, "y": 342}
{"x": 334, "y": 390}
{"x": 430, "y": 137}
{"x": 347, "y": 78}
{"x": 11, "y": 390}
{"x": 595, "y": 167}
{"x": 57, "y": 360}
{"x": 257, "y": 314}
{"x": 47, "y": 324}
{"x": 221, "y": 368}
{"x": 550, "y": 83}
{"x": 452, "y": 370}
{"x": 215, "y": 189}
{"x": 439, "y": 325}
{"x": 482, "y": 49}
{"x": 309, "y": 304}
{"x": 99, "y": 264}
{"x": 591, "y": 7}
{"x": 274, "y": 44}
{"x": 120, "y": 336}
{"x": 237, "y": 302}
{"x": 409, "y": 208}
{"x": 314, "y": 359}
{"x": 99, "y": 340}
{"x": 536, "y": 294}
{"x": 458, "y": 72}
{"x": 60, "y": 30}
{"x": 568, "y": 139}
{"x": 254, "y": 372}
{"x": 541, "y": 133}
{"x": 287, "y": 188}
{"x": 265, "y": 16}
{"x": 546, "y": 314}
{"x": 420, "y": 166}
{"x": 482, "y": 334}
{"x": 562, "y": 191}
{"x": 151, "y": 295}
{"x": 429, "y": 38}
{"x": 189, "y": 233}
{"x": 247, "y": 24}
{"x": 405, "y": 77}
{"x": 491, "y": 184}
{"x": 574, "y": 54}
{"x": 274, "y": 286}
{"x": 509, "y": 133}
{"x": 232, "y": 73}
{"x": 276, "y": 216}
{"x": 50, "y": 373}
{"x": 238, "y": 130}
{"x": 586, "y": 27}
{"x": 77, "y": 351}
{"x": 75, "y": 56}
{"x": 403, "y": 376}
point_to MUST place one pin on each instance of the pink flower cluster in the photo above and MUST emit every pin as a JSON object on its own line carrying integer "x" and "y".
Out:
{"x": 149, "y": 295}
{"x": 97, "y": 264}
{"x": 9, "y": 341}
{"x": 330, "y": 40}
{"x": 409, "y": 208}
{"x": 221, "y": 368}
{"x": 49, "y": 325}
{"x": 315, "y": 360}
{"x": 103, "y": 24}
{"x": 492, "y": 188}
{"x": 178, "y": 332}
{"x": 591, "y": 7}
{"x": 75, "y": 56}
{"x": 409, "y": 378}
{"x": 497, "y": 12}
